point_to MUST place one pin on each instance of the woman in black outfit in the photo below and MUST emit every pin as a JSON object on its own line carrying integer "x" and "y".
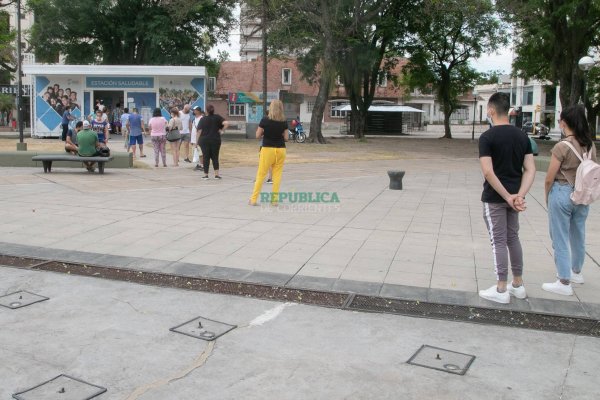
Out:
{"x": 211, "y": 128}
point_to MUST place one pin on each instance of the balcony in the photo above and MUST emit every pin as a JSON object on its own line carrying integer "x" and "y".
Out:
{"x": 28, "y": 58}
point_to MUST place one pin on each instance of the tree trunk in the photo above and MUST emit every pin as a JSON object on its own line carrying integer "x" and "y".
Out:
{"x": 447, "y": 132}
{"x": 264, "y": 56}
{"x": 357, "y": 124}
{"x": 315, "y": 134}
{"x": 445, "y": 98}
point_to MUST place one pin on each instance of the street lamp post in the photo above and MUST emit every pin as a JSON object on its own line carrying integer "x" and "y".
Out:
{"x": 21, "y": 146}
{"x": 474, "y": 114}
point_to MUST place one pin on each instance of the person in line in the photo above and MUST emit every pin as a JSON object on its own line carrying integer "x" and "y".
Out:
{"x": 100, "y": 126}
{"x": 198, "y": 114}
{"x": 273, "y": 131}
{"x": 116, "y": 119}
{"x": 88, "y": 144}
{"x": 211, "y": 128}
{"x": 100, "y": 105}
{"x": 135, "y": 127}
{"x": 175, "y": 124}
{"x": 71, "y": 142}
{"x": 509, "y": 170}
{"x": 566, "y": 219}
{"x": 158, "y": 125}
{"x": 186, "y": 121}
{"x": 124, "y": 131}
{"x": 66, "y": 119}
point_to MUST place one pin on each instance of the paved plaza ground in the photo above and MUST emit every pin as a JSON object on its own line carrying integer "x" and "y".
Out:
{"x": 427, "y": 242}
{"x": 116, "y": 335}
{"x": 429, "y": 235}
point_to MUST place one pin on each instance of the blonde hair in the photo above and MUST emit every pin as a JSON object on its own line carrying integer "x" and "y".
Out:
{"x": 276, "y": 111}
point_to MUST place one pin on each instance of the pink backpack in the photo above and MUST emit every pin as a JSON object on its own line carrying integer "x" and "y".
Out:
{"x": 587, "y": 179}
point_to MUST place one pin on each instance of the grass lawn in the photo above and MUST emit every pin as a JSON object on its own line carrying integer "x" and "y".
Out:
{"x": 242, "y": 152}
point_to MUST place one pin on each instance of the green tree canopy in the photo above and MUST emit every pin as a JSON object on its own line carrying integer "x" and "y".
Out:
{"x": 551, "y": 37}
{"x": 313, "y": 31}
{"x": 448, "y": 34}
{"x": 332, "y": 38}
{"x": 153, "y": 32}
{"x": 367, "y": 54}
{"x": 7, "y": 50}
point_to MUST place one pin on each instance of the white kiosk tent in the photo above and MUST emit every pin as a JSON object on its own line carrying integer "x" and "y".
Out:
{"x": 389, "y": 119}
{"x": 144, "y": 87}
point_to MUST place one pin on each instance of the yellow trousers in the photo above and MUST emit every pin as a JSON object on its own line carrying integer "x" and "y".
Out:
{"x": 270, "y": 157}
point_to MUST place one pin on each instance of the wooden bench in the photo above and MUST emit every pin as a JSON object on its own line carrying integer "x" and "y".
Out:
{"x": 47, "y": 160}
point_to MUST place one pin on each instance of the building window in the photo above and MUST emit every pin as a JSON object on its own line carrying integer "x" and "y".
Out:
{"x": 382, "y": 79}
{"x": 237, "y": 110}
{"x": 212, "y": 84}
{"x": 309, "y": 106}
{"x": 461, "y": 115}
{"x": 528, "y": 96}
{"x": 286, "y": 76}
{"x": 335, "y": 113}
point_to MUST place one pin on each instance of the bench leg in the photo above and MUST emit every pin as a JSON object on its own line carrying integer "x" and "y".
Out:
{"x": 47, "y": 166}
{"x": 100, "y": 167}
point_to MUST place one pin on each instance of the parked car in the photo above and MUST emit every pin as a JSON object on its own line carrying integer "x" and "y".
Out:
{"x": 541, "y": 130}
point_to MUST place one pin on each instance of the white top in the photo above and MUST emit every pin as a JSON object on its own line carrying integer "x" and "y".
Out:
{"x": 194, "y": 131}
{"x": 185, "y": 121}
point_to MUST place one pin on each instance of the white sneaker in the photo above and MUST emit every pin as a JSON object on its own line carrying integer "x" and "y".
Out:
{"x": 492, "y": 294}
{"x": 576, "y": 277}
{"x": 518, "y": 292}
{"x": 558, "y": 288}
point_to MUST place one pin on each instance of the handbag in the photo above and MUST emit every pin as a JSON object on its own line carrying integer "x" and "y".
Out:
{"x": 174, "y": 135}
{"x": 104, "y": 152}
{"x": 196, "y": 156}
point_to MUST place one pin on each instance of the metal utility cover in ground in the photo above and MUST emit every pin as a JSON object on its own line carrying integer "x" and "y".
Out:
{"x": 62, "y": 387}
{"x": 203, "y": 328}
{"x": 442, "y": 360}
{"x": 20, "y": 299}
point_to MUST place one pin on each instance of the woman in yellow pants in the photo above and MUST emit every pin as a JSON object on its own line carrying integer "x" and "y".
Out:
{"x": 273, "y": 130}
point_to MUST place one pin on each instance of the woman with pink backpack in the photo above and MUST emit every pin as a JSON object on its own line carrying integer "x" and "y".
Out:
{"x": 566, "y": 214}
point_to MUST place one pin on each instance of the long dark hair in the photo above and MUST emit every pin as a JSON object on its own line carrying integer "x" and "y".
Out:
{"x": 574, "y": 117}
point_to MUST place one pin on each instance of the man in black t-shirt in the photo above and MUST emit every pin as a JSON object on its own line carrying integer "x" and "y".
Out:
{"x": 508, "y": 168}
{"x": 71, "y": 145}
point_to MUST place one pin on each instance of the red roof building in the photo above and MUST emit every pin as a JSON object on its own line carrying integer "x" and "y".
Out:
{"x": 284, "y": 75}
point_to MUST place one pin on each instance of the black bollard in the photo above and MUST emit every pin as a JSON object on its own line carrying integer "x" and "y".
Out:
{"x": 396, "y": 179}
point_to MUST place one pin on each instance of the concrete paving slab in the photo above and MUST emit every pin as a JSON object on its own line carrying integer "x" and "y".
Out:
{"x": 103, "y": 330}
{"x": 439, "y": 215}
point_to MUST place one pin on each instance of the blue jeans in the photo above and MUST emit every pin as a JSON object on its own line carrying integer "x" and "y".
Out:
{"x": 567, "y": 230}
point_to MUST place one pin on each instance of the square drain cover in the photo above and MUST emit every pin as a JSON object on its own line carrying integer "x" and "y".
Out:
{"x": 63, "y": 387}
{"x": 442, "y": 360}
{"x": 203, "y": 328}
{"x": 20, "y": 299}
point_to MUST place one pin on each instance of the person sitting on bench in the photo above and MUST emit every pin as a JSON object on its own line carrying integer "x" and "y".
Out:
{"x": 71, "y": 144}
{"x": 88, "y": 144}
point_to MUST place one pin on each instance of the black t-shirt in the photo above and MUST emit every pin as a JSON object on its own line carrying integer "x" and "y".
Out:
{"x": 211, "y": 125}
{"x": 507, "y": 146}
{"x": 73, "y": 135}
{"x": 273, "y": 132}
